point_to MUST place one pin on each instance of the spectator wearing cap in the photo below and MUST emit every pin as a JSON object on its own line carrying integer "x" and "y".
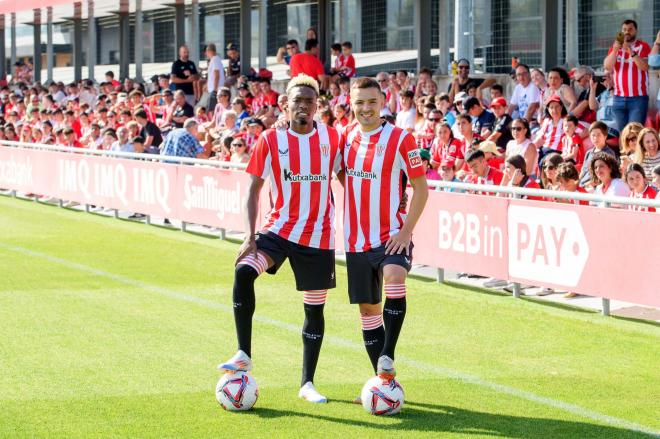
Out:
{"x": 184, "y": 75}
{"x": 494, "y": 157}
{"x": 598, "y": 136}
{"x": 245, "y": 93}
{"x": 482, "y": 120}
{"x": 501, "y": 132}
{"x": 308, "y": 62}
{"x": 182, "y": 142}
{"x": 405, "y": 118}
{"x": 526, "y": 96}
{"x": 183, "y": 109}
{"x": 431, "y": 174}
{"x": 447, "y": 172}
{"x": 254, "y": 129}
{"x": 462, "y": 80}
{"x": 215, "y": 76}
{"x": 629, "y": 64}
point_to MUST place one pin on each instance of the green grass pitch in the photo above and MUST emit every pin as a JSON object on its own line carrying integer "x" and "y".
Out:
{"x": 110, "y": 328}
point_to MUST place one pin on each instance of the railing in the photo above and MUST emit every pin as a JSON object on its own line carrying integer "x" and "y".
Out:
{"x": 220, "y": 192}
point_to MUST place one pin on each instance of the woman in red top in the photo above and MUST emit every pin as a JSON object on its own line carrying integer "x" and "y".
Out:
{"x": 568, "y": 179}
{"x": 515, "y": 174}
{"x": 446, "y": 147}
{"x": 639, "y": 188}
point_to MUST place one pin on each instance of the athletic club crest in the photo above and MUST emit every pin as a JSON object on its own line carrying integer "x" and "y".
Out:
{"x": 380, "y": 148}
{"x": 325, "y": 149}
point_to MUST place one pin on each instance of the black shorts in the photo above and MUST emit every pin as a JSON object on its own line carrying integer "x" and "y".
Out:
{"x": 365, "y": 272}
{"x": 313, "y": 268}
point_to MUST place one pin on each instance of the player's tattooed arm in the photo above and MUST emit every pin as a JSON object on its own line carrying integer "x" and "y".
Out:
{"x": 249, "y": 245}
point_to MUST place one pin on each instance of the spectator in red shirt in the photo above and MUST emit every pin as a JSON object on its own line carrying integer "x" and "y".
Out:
{"x": 515, "y": 175}
{"x": 628, "y": 62}
{"x": 571, "y": 143}
{"x": 446, "y": 147}
{"x": 308, "y": 62}
{"x": 344, "y": 61}
{"x": 482, "y": 172}
{"x": 493, "y": 156}
{"x": 639, "y": 188}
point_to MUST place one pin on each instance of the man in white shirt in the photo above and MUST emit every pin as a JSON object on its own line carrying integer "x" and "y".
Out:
{"x": 123, "y": 144}
{"x": 526, "y": 97}
{"x": 215, "y": 77}
{"x": 407, "y": 116}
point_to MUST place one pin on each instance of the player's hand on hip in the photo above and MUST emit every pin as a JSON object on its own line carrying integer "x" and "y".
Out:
{"x": 249, "y": 247}
{"x": 398, "y": 244}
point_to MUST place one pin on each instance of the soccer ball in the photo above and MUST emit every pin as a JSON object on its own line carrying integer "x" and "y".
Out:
{"x": 237, "y": 391}
{"x": 382, "y": 397}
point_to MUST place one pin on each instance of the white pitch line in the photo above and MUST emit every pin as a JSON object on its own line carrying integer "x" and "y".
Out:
{"x": 438, "y": 370}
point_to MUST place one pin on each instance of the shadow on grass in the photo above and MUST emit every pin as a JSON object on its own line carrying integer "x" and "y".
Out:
{"x": 418, "y": 417}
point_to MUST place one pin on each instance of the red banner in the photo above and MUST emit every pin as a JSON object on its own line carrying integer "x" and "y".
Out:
{"x": 596, "y": 251}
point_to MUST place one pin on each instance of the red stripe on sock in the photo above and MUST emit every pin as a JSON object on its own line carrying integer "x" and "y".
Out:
{"x": 371, "y": 322}
{"x": 315, "y": 297}
{"x": 395, "y": 291}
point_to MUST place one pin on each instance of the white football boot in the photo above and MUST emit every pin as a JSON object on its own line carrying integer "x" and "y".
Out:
{"x": 309, "y": 392}
{"x": 385, "y": 368}
{"x": 239, "y": 362}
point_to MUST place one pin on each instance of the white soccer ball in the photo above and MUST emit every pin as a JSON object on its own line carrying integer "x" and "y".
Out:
{"x": 237, "y": 391}
{"x": 382, "y": 397}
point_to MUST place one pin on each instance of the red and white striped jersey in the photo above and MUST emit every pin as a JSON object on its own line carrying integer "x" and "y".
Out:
{"x": 648, "y": 193}
{"x": 551, "y": 135}
{"x": 300, "y": 169}
{"x": 375, "y": 164}
{"x": 630, "y": 80}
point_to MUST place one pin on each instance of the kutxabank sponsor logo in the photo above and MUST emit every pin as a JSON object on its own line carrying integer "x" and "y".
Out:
{"x": 355, "y": 173}
{"x": 297, "y": 178}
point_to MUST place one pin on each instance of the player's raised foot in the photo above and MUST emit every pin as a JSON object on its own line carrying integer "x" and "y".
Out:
{"x": 239, "y": 362}
{"x": 309, "y": 392}
{"x": 385, "y": 368}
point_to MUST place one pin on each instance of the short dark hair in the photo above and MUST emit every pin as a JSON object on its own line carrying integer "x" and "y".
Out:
{"x": 138, "y": 139}
{"x": 110, "y": 73}
{"x": 599, "y": 125}
{"x": 497, "y": 87}
{"x": 470, "y": 102}
{"x": 347, "y": 44}
{"x": 311, "y": 43}
{"x": 407, "y": 94}
{"x": 365, "y": 82}
{"x": 630, "y": 21}
{"x": 141, "y": 114}
{"x": 474, "y": 155}
{"x": 425, "y": 70}
{"x": 344, "y": 80}
{"x": 292, "y": 42}
{"x": 336, "y": 46}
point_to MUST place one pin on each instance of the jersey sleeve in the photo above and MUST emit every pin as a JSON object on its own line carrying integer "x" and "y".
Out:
{"x": 411, "y": 160}
{"x": 260, "y": 160}
{"x": 646, "y": 50}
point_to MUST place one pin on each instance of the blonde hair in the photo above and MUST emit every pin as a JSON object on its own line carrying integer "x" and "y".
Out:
{"x": 303, "y": 81}
{"x": 632, "y": 127}
{"x": 640, "y": 152}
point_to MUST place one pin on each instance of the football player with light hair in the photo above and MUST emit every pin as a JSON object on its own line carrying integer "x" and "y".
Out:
{"x": 299, "y": 163}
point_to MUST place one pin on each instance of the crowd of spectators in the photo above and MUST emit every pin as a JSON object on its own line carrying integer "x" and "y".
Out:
{"x": 561, "y": 130}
